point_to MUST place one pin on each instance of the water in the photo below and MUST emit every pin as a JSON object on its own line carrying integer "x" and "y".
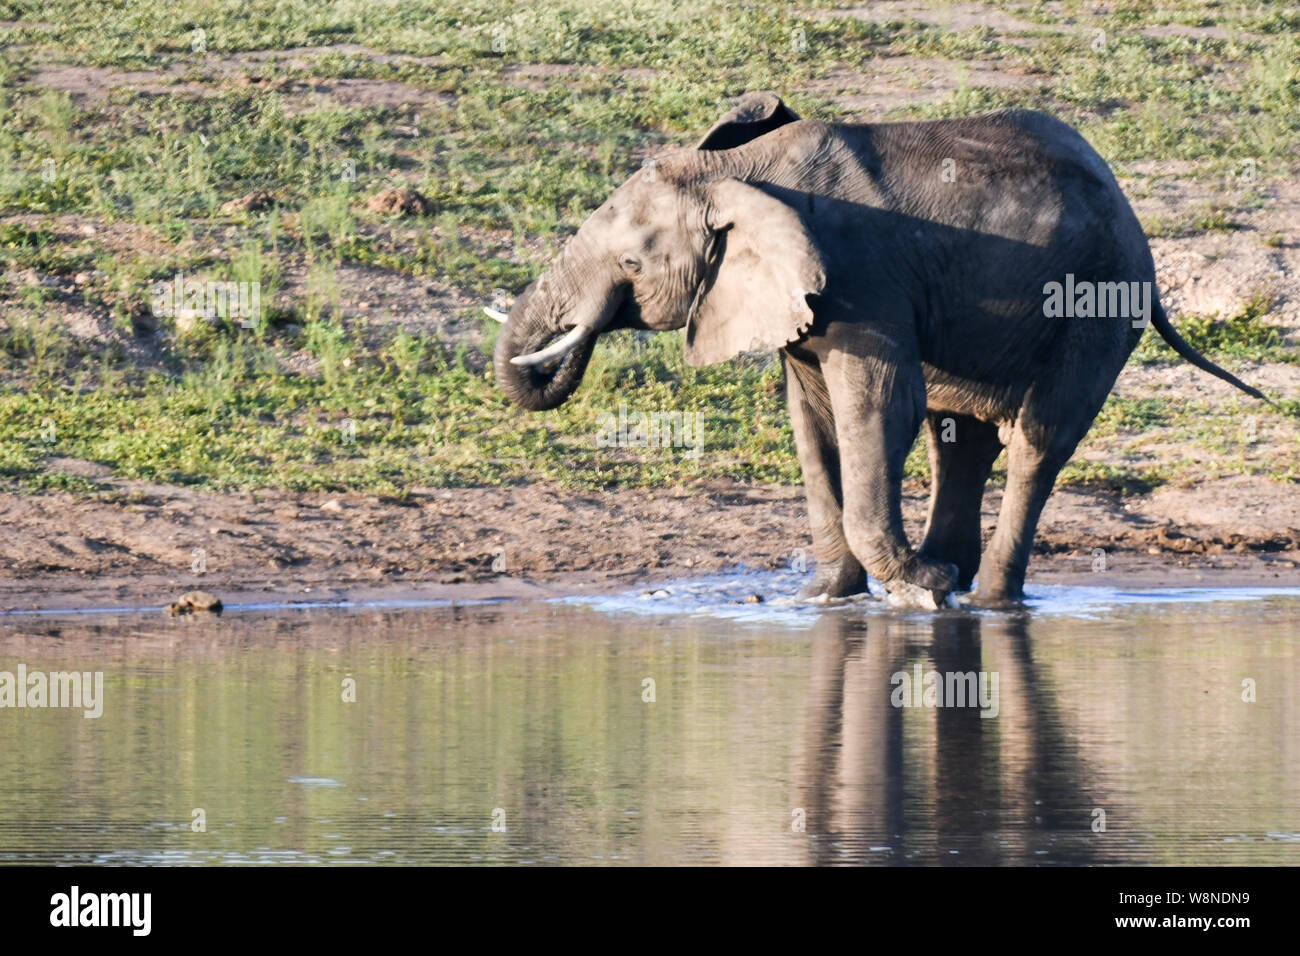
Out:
{"x": 535, "y": 718}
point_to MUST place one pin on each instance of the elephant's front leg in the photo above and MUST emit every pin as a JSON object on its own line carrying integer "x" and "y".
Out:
{"x": 838, "y": 573}
{"x": 879, "y": 403}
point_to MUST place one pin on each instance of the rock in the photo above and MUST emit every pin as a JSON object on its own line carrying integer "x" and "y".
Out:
{"x": 332, "y": 506}
{"x": 753, "y": 599}
{"x": 143, "y": 322}
{"x": 905, "y": 595}
{"x": 192, "y": 602}
{"x": 402, "y": 202}
{"x": 249, "y": 79}
{"x": 253, "y": 202}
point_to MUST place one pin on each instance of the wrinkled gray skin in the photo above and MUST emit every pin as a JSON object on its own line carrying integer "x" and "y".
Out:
{"x": 898, "y": 300}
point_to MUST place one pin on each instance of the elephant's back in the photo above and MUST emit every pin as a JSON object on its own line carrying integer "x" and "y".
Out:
{"x": 1017, "y": 173}
{"x": 985, "y": 212}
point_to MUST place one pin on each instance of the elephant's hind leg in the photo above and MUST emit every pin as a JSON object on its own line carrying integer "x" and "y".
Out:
{"x": 1032, "y": 467}
{"x": 1055, "y": 415}
{"x": 962, "y": 450}
{"x": 1038, "y": 450}
{"x": 838, "y": 573}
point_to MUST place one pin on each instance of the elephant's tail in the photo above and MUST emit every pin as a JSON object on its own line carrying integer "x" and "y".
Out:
{"x": 1179, "y": 345}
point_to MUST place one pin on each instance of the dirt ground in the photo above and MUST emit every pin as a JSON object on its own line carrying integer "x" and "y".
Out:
{"x": 138, "y": 544}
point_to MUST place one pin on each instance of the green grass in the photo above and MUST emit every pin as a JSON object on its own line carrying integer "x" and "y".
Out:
{"x": 1121, "y": 416}
{"x": 423, "y": 417}
{"x": 487, "y": 151}
{"x": 1211, "y": 218}
{"x": 226, "y": 417}
{"x": 512, "y": 162}
{"x": 1244, "y": 336}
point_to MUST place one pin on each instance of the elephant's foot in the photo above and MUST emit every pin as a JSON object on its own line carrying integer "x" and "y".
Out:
{"x": 966, "y": 565}
{"x": 835, "y": 579}
{"x": 998, "y": 588}
{"x": 924, "y": 584}
{"x": 997, "y": 601}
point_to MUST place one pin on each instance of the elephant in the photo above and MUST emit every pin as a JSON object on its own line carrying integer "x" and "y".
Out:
{"x": 958, "y": 275}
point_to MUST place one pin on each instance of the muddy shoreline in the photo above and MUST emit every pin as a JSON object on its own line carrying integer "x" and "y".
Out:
{"x": 140, "y": 545}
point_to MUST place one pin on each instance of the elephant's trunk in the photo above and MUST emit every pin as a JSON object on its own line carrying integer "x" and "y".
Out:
{"x": 543, "y": 386}
{"x": 548, "y": 338}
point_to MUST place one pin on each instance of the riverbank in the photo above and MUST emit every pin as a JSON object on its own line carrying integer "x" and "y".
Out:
{"x": 142, "y": 545}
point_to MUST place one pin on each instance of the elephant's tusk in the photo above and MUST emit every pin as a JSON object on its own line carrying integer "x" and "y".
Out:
{"x": 555, "y": 350}
{"x": 494, "y": 314}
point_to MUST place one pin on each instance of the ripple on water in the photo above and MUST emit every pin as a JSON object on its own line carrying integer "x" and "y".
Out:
{"x": 728, "y": 596}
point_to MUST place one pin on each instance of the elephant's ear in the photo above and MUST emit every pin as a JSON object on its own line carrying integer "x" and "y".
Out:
{"x": 767, "y": 264}
{"x": 754, "y": 115}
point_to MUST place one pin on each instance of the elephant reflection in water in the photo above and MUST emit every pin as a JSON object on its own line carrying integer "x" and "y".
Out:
{"x": 886, "y": 779}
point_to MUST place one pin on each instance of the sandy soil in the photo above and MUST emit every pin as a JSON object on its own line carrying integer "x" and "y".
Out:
{"x": 138, "y": 544}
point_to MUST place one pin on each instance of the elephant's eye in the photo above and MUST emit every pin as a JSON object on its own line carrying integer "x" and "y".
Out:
{"x": 629, "y": 263}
